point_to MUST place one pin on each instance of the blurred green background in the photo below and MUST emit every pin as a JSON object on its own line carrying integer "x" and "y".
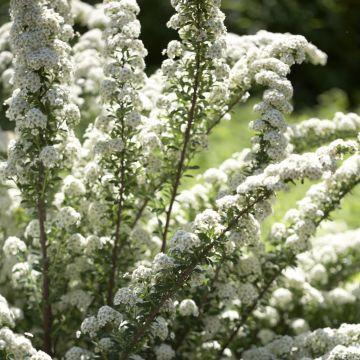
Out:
{"x": 332, "y": 25}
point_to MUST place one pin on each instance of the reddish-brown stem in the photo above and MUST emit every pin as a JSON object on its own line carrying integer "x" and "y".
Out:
{"x": 187, "y": 136}
{"x": 248, "y": 313}
{"x": 145, "y": 202}
{"x": 221, "y": 115}
{"x": 117, "y": 245}
{"x": 202, "y": 304}
{"x": 181, "y": 281}
{"x": 214, "y": 123}
{"x": 140, "y": 212}
{"x": 278, "y": 273}
{"x": 46, "y": 304}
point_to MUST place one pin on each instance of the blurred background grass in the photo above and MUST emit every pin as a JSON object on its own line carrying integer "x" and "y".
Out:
{"x": 332, "y": 25}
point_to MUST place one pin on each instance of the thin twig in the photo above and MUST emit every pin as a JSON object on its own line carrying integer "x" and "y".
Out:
{"x": 180, "y": 166}
{"x": 248, "y": 313}
{"x": 202, "y": 304}
{"x": 181, "y": 281}
{"x": 243, "y": 320}
{"x": 213, "y": 124}
{"x": 115, "y": 250}
{"x": 236, "y": 100}
{"x": 46, "y": 304}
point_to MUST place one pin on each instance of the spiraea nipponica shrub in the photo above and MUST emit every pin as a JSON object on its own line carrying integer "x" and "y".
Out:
{"x": 105, "y": 256}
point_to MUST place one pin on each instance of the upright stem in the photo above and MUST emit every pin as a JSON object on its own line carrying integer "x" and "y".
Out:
{"x": 247, "y": 314}
{"x": 115, "y": 250}
{"x": 145, "y": 202}
{"x": 333, "y": 205}
{"x": 181, "y": 337}
{"x": 139, "y": 334}
{"x": 140, "y": 212}
{"x": 187, "y": 136}
{"x": 231, "y": 106}
{"x": 46, "y": 304}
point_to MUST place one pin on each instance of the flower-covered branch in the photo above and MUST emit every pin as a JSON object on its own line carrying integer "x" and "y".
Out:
{"x": 83, "y": 220}
{"x": 42, "y": 114}
{"x": 320, "y": 201}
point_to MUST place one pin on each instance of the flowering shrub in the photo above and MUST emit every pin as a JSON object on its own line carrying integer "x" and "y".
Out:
{"x": 104, "y": 256}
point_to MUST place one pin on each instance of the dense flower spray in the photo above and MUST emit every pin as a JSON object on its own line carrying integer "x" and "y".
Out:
{"x": 44, "y": 116}
{"x": 105, "y": 255}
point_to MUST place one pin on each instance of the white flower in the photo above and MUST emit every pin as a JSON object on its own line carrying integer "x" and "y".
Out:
{"x": 299, "y": 326}
{"x": 126, "y": 296}
{"x": 247, "y": 293}
{"x": 76, "y": 353}
{"x": 162, "y": 262}
{"x": 35, "y": 119}
{"x": 266, "y": 335}
{"x": 164, "y": 352}
{"x": 106, "y": 344}
{"x": 282, "y": 298}
{"x": 6, "y": 315}
{"x": 106, "y": 315}
{"x": 90, "y": 326}
{"x": 73, "y": 186}
{"x": 318, "y": 274}
{"x": 207, "y": 220}
{"x": 141, "y": 273}
{"x": 159, "y": 328}
{"x": 188, "y": 307}
{"x": 32, "y": 229}
{"x": 67, "y": 217}
{"x": 184, "y": 241}
{"x": 40, "y": 355}
{"x": 13, "y": 246}
{"x": 49, "y": 156}
{"x": 340, "y": 297}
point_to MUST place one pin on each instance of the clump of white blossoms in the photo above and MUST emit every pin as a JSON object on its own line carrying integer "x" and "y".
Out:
{"x": 105, "y": 255}
{"x": 44, "y": 115}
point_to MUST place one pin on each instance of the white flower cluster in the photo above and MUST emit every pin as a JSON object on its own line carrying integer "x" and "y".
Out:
{"x": 13, "y": 246}
{"x": 76, "y": 298}
{"x": 17, "y": 345}
{"x": 164, "y": 352}
{"x": 314, "y": 206}
{"x": 106, "y": 315}
{"x": 7, "y": 317}
{"x": 6, "y": 60}
{"x": 312, "y": 287}
{"x": 122, "y": 35}
{"x": 40, "y": 53}
{"x": 287, "y": 47}
{"x": 88, "y": 70}
{"x": 188, "y": 307}
{"x": 308, "y": 165}
{"x": 331, "y": 254}
{"x": 184, "y": 241}
{"x": 76, "y": 353}
{"x": 312, "y": 132}
{"x": 266, "y": 58}
{"x": 89, "y": 253}
{"x": 216, "y": 183}
{"x": 126, "y": 296}
{"x": 91, "y": 16}
{"x": 320, "y": 345}
{"x": 196, "y": 59}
